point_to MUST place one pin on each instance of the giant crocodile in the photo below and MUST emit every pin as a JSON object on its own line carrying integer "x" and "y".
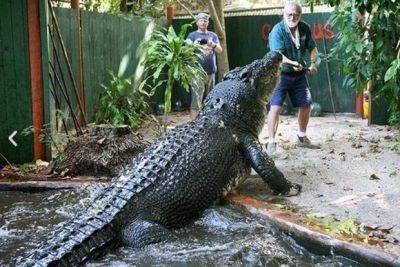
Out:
{"x": 179, "y": 175}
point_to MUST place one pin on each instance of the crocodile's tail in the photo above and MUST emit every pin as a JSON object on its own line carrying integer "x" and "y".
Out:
{"x": 82, "y": 238}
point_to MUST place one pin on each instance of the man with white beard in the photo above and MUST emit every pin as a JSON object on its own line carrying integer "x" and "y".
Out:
{"x": 292, "y": 38}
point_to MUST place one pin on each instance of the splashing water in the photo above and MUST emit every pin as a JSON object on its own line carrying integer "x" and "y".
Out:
{"x": 225, "y": 235}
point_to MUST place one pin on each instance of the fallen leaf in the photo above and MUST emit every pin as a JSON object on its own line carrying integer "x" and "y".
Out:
{"x": 388, "y": 137}
{"x": 342, "y": 156}
{"x": 64, "y": 172}
{"x": 101, "y": 141}
{"x": 41, "y": 163}
{"x": 374, "y": 148}
{"x": 386, "y": 230}
{"x": 356, "y": 145}
{"x": 374, "y": 177}
{"x": 370, "y": 226}
{"x": 332, "y": 151}
{"x": 372, "y": 241}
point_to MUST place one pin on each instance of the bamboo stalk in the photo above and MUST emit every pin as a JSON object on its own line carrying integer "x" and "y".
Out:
{"x": 57, "y": 103}
{"x": 185, "y": 8}
{"x": 57, "y": 27}
{"x": 63, "y": 91}
{"x": 63, "y": 85}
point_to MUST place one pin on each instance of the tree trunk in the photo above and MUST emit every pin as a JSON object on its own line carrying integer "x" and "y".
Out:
{"x": 167, "y": 98}
{"x": 217, "y": 14}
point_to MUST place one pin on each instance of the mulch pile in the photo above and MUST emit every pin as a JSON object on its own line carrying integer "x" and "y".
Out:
{"x": 103, "y": 152}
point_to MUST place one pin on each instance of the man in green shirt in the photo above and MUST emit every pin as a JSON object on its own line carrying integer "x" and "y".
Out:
{"x": 292, "y": 38}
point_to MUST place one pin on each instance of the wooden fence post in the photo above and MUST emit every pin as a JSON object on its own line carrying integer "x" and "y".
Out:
{"x": 35, "y": 66}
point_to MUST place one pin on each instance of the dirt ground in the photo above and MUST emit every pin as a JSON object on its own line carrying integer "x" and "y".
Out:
{"x": 355, "y": 174}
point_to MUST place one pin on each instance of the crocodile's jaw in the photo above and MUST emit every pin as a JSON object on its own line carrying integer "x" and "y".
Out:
{"x": 268, "y": 75}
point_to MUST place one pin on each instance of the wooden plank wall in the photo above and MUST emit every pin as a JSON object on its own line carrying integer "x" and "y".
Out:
{"x": 106, "y": 40}
{"x": 15, "y": 91}
{"x": 68, "y": 26}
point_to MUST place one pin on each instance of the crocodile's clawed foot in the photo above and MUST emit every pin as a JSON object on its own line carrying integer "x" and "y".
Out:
{"x": 295, "y": 189}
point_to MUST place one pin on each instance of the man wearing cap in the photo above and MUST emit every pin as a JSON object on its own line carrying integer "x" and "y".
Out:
{"x": 292, "y": 38}
{"x": 210, "y": 45}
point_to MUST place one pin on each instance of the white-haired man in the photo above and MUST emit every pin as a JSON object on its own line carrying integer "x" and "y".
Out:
{"x": 292, "y": 38}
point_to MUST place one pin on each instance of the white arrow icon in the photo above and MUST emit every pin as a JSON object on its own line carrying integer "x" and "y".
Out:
{"x": 11, "y": 138}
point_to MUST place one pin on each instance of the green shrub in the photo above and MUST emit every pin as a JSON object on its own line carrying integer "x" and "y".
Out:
{"x": 170, "y": 54}
{"x": 121, "y": 103}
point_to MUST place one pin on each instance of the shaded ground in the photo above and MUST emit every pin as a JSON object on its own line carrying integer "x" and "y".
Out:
{"x": 355, "y": 174}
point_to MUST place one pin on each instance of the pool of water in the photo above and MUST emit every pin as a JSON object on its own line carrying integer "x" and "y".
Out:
{"x": 225, "y": 236}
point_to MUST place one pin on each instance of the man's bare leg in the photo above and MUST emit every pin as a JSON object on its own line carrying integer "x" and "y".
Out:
{"x": 303, "y": 118}
{"x": 272, "y": 123}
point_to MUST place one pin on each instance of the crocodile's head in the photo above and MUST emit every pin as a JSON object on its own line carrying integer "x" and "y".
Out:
{"x": 265, "y": 74}
{"x": 242, "y": 95}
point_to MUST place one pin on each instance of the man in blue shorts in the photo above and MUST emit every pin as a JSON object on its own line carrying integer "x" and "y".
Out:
{"x": 292, "y": 38}
{"x": 210, "y": 45}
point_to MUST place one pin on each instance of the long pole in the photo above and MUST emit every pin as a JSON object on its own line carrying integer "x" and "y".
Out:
{"x": 75, "y": 5}
{"x": 328, "y": 73}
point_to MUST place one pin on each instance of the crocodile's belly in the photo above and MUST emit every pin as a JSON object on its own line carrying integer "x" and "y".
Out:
{"x": 194, "y": 167}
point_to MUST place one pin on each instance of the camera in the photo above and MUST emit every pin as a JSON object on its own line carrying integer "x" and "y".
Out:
{"x": 203, "y": 41}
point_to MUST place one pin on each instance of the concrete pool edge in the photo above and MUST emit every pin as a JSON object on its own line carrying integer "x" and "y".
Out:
{"x": 36, "y": 186}
{"x": 316, "y": 241}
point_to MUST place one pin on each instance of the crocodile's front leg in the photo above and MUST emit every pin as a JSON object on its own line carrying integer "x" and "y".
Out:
{"x": 265, "y": 167}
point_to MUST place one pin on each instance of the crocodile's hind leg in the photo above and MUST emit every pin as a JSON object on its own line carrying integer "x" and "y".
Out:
{"x": 141, "y": 233}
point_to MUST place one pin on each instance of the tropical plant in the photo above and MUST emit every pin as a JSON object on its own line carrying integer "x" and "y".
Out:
{"x": 54, "y": 139}
{"x": 171, "y": 54}
{"x": 369, "y": 46}
{"x": 122, "y": 103}
{"x": 156, "y": 9}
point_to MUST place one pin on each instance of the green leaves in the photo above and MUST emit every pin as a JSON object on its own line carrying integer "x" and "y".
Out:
{"x": 393, "y": 70}
{"x": 121, "y": 103}
{"x": 368, "y": 46}
{"x": 169, "y": 54}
